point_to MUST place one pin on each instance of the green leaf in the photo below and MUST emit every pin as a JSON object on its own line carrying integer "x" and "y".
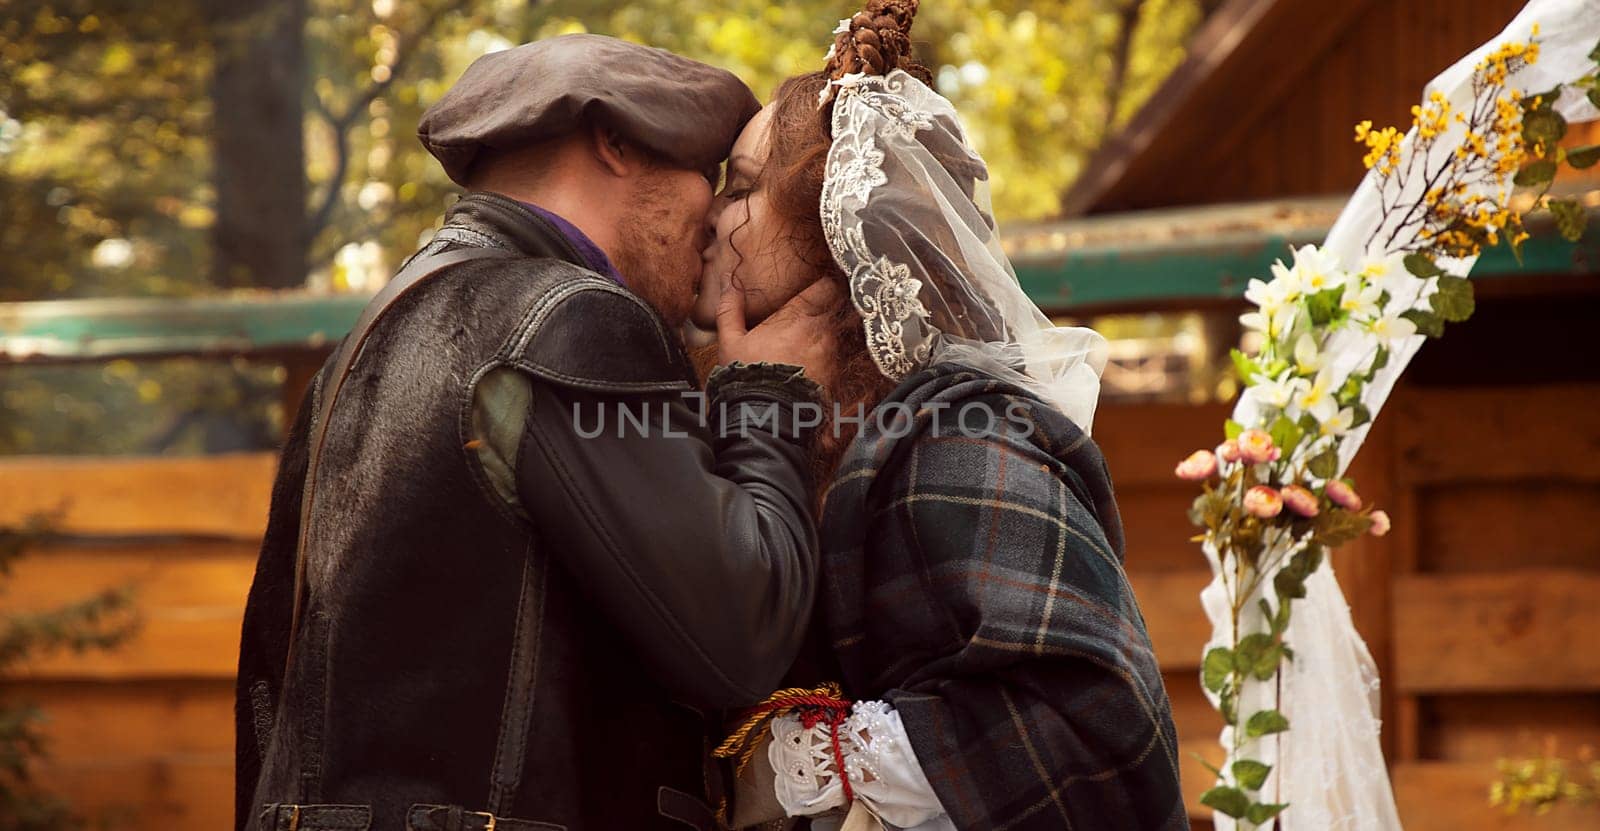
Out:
{"x": 1570, "y": 218}
{"x": 1267, "y": 665}
{"x": 1285, "y": 434}
{"x": 1322, "y": 305}
{"x": 1265, "y": 723}
{"x": 1251, "y": 774}
{"x": 1289, "y": 586}
{"x": 1325, "y": 465}
{"x": 1422, "y": 265}
{"x": 1210, "y": 508}
{"x": 1453, "y": 301}
{"x": 1535, "y": 174}
{"x": 1584, "y": 157}
{"x": 1231, "y": 429}
{"x": 1594, "y": 55}
{"x": 1216, "y": 668}
{"x": 1227, "y": 799}
{"x": 1594, "y": 96}
{"x": 1545, "y": 98}
{"x": 1380, "y": 360}
{"x": 1543, "y": 125}
{"x": 1259, "y": 813}
{"x": 1351, "y": 391}
{"x": 1228, "y": 703}
{"x": 1246, "y": 367}
{"x": 1280, "y": 624}
{"x": 1252, "y": 649}
{"x": 1428, "y": 323}
{"x": 1362, "y": 416}
{"x": 1335, "y": 527}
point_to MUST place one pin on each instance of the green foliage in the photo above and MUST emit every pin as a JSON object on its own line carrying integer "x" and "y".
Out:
{"x": 1265, "y": 723}
{"x": 1571, "y": 218}
{"x": 1226, "y": 799}
{"x": 98, "y": 622}
{"x": 1427, "y": 323}
{"x": 1247, "y": 370}
{"x": 1543, "y": 125}
{"x": 1583, "y": 158}
{"x": 1422, "y": 265}
{"x": 1453, "y": 301}
{"x": 1259, "y": 813}
{"x": 1251, "y": 774}
{"x": 1324, "y": 465}
{"x": 1216, "y": 668}
{"x": 1534, "y": 174}
{"x": 106, "y": 121}
{"x": 1231, "y": 429}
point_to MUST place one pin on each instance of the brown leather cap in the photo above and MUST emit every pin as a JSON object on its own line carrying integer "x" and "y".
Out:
{"x": 685, "y": 111}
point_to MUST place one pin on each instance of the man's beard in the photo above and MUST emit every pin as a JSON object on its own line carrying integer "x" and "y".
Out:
{"x": 652, "y": 257}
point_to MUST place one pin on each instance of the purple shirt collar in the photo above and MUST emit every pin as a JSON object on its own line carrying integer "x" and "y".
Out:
{"x": 592, "y": 256}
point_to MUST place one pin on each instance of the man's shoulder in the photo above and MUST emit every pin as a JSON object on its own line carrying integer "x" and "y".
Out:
{"x": 582, "y": 330}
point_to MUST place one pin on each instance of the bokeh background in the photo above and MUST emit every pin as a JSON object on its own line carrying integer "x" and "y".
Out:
{"x": 197, "y": 197}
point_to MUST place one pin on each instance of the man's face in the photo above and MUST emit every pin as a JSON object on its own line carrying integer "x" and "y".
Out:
{"x": 662, "y": 237}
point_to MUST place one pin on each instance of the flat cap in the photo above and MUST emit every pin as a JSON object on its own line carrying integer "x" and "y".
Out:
{"x": 685, "y": 111}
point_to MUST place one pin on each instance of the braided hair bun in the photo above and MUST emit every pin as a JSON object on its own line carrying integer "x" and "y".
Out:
{"x": 877, "y": 41}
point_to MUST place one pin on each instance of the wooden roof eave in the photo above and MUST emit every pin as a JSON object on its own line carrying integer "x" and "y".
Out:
{"x": 1241, "y": 61}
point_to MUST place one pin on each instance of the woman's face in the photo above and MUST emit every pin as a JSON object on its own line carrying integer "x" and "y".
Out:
{"x": 752, "y": 245}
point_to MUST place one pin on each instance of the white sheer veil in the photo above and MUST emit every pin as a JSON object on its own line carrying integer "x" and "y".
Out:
{"x": 905, "y": 210}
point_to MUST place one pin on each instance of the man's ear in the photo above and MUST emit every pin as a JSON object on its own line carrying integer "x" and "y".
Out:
{"x": 614, "y": 152}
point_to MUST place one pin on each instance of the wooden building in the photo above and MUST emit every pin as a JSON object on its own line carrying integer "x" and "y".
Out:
{"x": 1482, "y": 608}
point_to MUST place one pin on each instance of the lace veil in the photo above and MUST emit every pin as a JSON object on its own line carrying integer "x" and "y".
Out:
{"x": 905, "y": 210}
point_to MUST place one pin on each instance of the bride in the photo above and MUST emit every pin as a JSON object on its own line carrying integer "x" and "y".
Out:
{"x": 974, "y": 601}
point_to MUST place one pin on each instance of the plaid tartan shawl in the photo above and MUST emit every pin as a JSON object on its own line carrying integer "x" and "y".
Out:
{"x": 974, "y": 579}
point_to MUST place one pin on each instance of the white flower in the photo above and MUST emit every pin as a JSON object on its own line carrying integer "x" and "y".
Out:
{"x": 1306, "y": 357}
{"x": 1275, "y": 325}
{"x": 1285, "y": 285}
{"x": 1390, "y": 328}
{"x": 1339, "y": 423}
{"x": 1317, "y": 269}
{"x": 1317, "y": 398}
{"x": 1360, "y": 299}
{"x": 1280, "y": 391}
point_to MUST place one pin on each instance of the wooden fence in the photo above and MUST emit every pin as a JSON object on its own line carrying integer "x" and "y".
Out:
{"x": 1483, "y": 607}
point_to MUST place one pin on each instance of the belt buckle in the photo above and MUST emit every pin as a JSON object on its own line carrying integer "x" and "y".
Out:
{"x": 486, "y": 815}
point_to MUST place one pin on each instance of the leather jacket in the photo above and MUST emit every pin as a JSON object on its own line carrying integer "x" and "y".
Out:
{"x": 516, "y": 614}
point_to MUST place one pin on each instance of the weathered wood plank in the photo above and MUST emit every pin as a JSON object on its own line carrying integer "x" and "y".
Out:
{"x": 1142, "y": 443}
{"x": 1170, "y": 602}
{"x": 189, "y": 599}
{"x": 163, "y": 792}
{"x": 1529, "y": 630}
{"x": 224, "y": 495}
{"x": 1473, "y": 527}
{"x": 1155, "y": 523}
{"x": 1494, "y": 434}
{"x": 1479, "y": 727}
{"x": 1454, "y": 796}
{"x": 101, "y": 722}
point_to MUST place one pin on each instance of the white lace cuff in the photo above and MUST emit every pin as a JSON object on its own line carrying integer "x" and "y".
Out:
{"x": 878, "y": 760}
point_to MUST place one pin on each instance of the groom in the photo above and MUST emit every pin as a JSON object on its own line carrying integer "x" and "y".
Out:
{"x": 469, "y": 613}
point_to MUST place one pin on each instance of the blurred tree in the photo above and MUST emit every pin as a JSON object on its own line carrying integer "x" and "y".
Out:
{"x": 171, "y": 148}
{"x": 257, "y": 145}
{"x": 153, "y": 148}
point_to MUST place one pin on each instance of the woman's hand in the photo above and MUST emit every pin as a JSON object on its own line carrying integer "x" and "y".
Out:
{"x": 800, "y": 333}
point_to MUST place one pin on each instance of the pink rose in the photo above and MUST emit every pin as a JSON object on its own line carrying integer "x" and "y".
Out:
{"x": 1229, "y": 451}
{"x": 1300, "y": 500}
{"x": 1263, "y": 502}
{"x": 1380, "y": 523}
{"x": 1255, "y": 447}
{"x": 1343, "y": 495}
{"x": 1200, "y": 465}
